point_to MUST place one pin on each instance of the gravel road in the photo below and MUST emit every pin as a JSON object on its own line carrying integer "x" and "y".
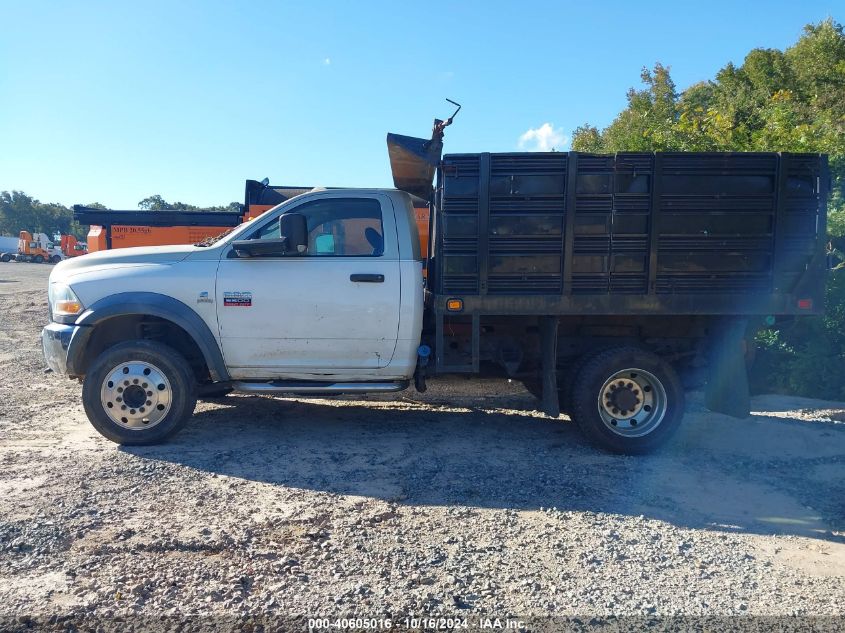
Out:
{"x": 465, "y": 502}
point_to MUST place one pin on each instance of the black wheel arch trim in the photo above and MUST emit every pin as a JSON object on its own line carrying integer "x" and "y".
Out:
{"x": 150, "y": 304}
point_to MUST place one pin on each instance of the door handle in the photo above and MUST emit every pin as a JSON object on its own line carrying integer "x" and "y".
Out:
{"x": 367, "y": 278}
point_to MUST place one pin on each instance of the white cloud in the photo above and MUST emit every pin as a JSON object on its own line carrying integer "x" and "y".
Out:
{"x": 543, "y": 139}
{"x": 327, "y": 61}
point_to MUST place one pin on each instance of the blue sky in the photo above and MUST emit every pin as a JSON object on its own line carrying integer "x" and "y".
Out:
{"x": 114, "y": 101}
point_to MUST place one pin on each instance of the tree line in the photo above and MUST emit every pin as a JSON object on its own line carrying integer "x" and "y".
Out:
{"x": 21, "y": 212}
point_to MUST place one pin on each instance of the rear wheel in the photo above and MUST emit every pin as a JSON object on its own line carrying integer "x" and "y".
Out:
{"x": 570, "y": 375}
{"x": 5, "y": 257}
{"x": 627, "y": 400}
{"x": 566, "y": 376}
{"x": 38, "y": 259}
{"x": 139, "y": 392}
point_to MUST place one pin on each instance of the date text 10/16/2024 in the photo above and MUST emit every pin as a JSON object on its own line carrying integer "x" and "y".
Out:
{"x": 432, "y": 623}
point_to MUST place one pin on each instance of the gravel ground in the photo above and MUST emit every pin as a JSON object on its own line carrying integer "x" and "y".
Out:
{"x": 466, "y": 502}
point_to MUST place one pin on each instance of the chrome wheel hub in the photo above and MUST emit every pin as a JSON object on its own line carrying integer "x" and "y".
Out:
{"x": 136, "y": 395}
{"x": 632, "y": 402}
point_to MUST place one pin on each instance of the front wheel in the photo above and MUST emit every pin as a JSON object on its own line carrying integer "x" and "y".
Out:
{"x": 627, "y": 400}
{"x": 55, "y": 259}
{"x": 139, "y": 392}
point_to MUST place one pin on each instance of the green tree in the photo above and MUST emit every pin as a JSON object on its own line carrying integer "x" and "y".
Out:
{"x": 20, "y": 212}
{"x": 157, "y": 203}
{"x": 587, "y": 138}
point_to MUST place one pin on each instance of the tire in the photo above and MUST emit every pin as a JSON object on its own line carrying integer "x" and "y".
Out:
{"x": 5, "y": 257}
{"x": 570, "y": 375}
{"x": 38, "y": 259}
{"x": 566, "y": 377}
{"x": 166, "y": 406}
{"x": 627, "y": 377}
{"x": 55, "y": 259}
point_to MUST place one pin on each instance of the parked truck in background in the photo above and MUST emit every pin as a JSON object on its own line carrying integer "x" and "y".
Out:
{"x": 603, "y": 282}
{"x": 70, "y": 246}
{"x": 37, "y": 248}
{"x": 8, "y": 246}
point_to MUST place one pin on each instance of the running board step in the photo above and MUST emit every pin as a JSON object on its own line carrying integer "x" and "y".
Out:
{"x": 306, "y": 387}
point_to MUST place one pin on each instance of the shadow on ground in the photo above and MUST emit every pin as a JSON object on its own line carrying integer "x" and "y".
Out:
{"x": 756, "y": 475}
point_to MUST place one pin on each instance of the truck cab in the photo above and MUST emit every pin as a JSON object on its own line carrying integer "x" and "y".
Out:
{"x": 70, "y": 246}
{"x": 338, "y": 311}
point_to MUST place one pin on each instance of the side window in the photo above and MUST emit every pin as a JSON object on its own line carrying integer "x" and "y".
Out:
{"x": 338, "y": 227}
{"x": 269, "y": 231}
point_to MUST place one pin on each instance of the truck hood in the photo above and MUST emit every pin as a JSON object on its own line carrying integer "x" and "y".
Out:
{"x": 125, "y": 256}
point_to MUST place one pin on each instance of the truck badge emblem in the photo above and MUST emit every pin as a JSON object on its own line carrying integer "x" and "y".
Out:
{"x": 237, "y": 299}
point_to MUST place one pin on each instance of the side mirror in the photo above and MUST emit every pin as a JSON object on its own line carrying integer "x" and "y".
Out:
{"x": 294, "y": 228}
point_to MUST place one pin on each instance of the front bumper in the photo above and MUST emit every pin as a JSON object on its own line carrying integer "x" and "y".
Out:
{"x": 55, "y": 339}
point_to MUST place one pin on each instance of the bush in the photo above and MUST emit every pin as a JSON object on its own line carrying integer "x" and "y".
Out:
{"x": 806, "y": 357}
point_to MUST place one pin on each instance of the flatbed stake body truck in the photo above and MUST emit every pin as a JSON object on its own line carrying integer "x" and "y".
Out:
{"x": 606, "y": 283}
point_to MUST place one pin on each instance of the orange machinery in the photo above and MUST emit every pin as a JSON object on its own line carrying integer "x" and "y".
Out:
{"x": 71, "y": 247}
{"x": 37, "y": 249}
{"x": 120, "y": 229}
{"x": 40, "y": 248}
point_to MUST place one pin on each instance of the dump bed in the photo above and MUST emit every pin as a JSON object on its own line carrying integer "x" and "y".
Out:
{"x": 641, "y": 233}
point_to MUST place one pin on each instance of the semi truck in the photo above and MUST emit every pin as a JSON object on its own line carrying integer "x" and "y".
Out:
{"x": 70, "y": 246}
{"x": 606, "y": 283}
{"x": 37, "y": 248}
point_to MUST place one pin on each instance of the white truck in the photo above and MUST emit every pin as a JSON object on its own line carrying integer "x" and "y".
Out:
{"x": 552, "y": 269}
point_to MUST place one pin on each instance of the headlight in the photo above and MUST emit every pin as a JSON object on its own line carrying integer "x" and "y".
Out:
{"x": 63, "y": 301}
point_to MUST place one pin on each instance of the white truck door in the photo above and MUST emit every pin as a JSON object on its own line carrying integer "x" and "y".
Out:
{"x": 334, "y": 307}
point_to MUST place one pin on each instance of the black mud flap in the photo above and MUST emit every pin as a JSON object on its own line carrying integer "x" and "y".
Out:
{"x": 727, "y": 382}
{"x": 413, "y": 162}
{"x": 548, "y": 343}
